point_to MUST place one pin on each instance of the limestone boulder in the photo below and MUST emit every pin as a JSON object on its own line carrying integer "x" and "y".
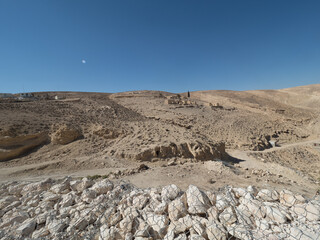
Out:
{"x": 228, "y": 216}
{"x": 66, "y": 134}
{"x": 170, "y": 192}
{"x": 57, "y": 225}
{"x": 177, "y": 209}
{"x": 287, "y": 198}
{"x": 27, "y": 227}
{"x": 102, "y": 187}
{"x": 197, "y": 201}
{"x": 268, "y": 195}
{"x": 216, "y": 231}
{"x": 40, "y": 233}
{"x": 159, "y": 223}
{"x": 309, "y": 211}
{"x": 111, "y": 233}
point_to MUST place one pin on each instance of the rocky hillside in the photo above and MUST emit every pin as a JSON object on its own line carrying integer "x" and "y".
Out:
{"x": 74, "y": 133}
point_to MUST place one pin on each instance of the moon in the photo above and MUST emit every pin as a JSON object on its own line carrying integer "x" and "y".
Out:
{"x": 83, "y": 61}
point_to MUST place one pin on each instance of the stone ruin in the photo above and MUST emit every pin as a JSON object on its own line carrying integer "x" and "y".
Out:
{"x": 214, "y": 105}
{"x": 179, "y": 100}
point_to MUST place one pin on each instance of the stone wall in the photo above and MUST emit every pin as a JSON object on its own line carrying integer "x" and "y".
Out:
{"x": 87, "y": 209}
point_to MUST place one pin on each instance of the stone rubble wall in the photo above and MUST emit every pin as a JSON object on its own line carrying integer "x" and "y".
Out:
{"x": 87, "y": 209}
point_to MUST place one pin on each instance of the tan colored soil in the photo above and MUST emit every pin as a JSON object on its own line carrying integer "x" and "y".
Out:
{"x": 181, "y": 144}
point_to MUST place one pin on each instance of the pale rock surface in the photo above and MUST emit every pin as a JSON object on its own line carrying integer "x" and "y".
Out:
{"x": 161, "y": 208}
{"x": 112, "y": 233}
{"x": 216, "y": 231}
{"x": 102, "y": 187}
{"x": 27, "y": 227}
{"x": 170, "y": 192}
{"x": 57, "y": 225}
{"x": 228, "y": 216}
{"x": 159, "y": 223}
{"x": 42, "y": 232}
{"x": 85, "y": 209}
{"x": 197, "y": 201}
{"x": 221, "y": 203}
{"x": 140, "y": 201}
{"x": 268, "y": 195}
{"x": 177, "y": 209}
{"x": 287, "y": 198}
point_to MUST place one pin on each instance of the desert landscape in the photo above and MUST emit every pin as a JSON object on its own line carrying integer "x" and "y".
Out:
{"x": 228, "y": 142}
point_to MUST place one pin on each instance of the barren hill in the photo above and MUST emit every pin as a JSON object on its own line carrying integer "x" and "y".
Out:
{"x": 113, "y": 134}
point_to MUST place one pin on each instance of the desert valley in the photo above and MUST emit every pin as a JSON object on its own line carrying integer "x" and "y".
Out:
{"x": 220, "y": 141}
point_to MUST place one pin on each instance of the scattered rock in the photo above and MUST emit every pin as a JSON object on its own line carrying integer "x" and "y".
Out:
{"x": 68, "y": 209}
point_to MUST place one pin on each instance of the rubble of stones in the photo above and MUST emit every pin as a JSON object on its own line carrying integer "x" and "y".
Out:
{"x": 87, "y": 209}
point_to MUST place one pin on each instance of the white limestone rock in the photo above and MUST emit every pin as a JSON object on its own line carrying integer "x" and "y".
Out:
{"x": 111, "y": 233}
{"x": 268, "y": 195}
{"x": 81, "y": 223}
{"x": 27, "y": 227}
{"x": 50, "y": 197}
{"x": 57, "y": 225}
{"x": 274, "y": 214}
{"x": 16, "y": 189}
{"x": 255, "y": 207}
{"x": 177, "y": 208}
{"x": 67, "y": 200}
{"x": 307, "y": 210}
{"x": 181, "y": 236}
{"x": 16, "y": 217}
{"x": 170, "y": 192}
{"x": 182, "y": 225}
{"x": 196, "y": 237}
{"x": 80, "y": 186}
{"x": 159, "y": 223}
{"x": 42, "y": 232}
{"x": 227, "y": 217}
{"x": 197, "y": 201}
{"x": 88, "y": 195}
{"x": 37, "y": 186}
{"x": 6, "y": 201}
{"x": 216, "y": 231}
{"x": 288, "y": 199}
{"x": 102, "y": 187}
{"x": 253, "y": 190}
{"x": 140, "y": 201}
{"x": 221, "y": 203}
{"x": 142, "y": 229}
{"x": 161, "y": 208}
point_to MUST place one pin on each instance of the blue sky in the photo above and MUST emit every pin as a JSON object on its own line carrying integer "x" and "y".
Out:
{"x": 165, "y": 45}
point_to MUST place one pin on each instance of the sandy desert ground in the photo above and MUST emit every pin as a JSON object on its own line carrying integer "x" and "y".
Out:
{"x": 154, "y": 138}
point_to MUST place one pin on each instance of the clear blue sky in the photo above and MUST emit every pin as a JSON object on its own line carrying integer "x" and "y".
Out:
{"x": 170, "y": 45}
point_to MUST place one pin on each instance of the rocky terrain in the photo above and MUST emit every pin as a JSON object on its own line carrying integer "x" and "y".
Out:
{"x": 87, "y": 209}
{"x": 80, "y": 134}
{"x": 146, "y": 141}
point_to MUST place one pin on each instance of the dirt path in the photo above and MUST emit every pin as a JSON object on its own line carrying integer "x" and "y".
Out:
{"x": 288, "y": 146}
{"x": 252, "y": 164}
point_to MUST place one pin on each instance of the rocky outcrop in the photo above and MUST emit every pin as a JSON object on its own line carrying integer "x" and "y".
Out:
{"x": 12, "y": 147}
{"x": 86, "y": 209}
{"x": 65, "y": 135}
{"x": 195, "y": 150}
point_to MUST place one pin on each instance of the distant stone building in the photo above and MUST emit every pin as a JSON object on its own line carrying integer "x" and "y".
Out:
{"x": 179, "y": 100}
{"x": 26, "y": 95}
